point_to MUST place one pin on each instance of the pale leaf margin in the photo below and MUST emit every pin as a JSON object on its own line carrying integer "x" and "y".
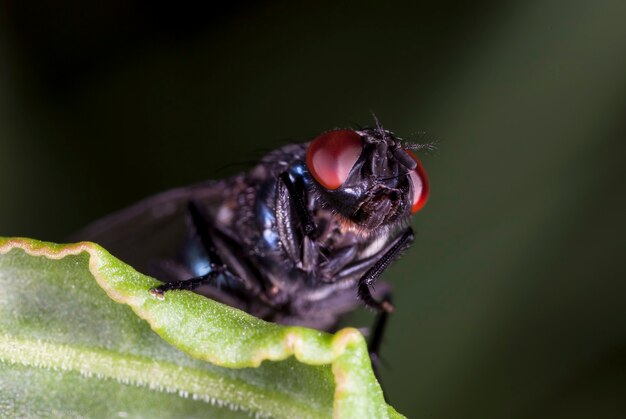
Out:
{"x": 247, "y": 341}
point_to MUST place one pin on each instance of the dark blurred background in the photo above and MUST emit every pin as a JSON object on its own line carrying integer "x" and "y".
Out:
{"x": 512, "y": 303}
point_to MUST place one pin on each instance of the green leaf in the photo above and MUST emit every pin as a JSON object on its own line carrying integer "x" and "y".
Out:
{"x": 72, "y": 345}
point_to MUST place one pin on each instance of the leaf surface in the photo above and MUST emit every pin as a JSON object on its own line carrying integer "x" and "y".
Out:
{"x": 76, "y": 339}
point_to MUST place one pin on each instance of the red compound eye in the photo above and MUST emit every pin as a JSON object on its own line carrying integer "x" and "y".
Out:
{"x": 332, "y": 155}
{"x": 419, "y": 180}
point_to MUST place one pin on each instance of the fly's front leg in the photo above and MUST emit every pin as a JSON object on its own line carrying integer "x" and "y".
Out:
{"x": 297, "y": 193}
{"x": 203, "y": 228}
{"x": 371, "y": 276}
{"x": 384, "y": 307}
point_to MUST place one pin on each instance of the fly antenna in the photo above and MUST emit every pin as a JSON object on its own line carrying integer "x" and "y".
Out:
{"x": 420, "y": 145}
{"x": 431, "y": 146}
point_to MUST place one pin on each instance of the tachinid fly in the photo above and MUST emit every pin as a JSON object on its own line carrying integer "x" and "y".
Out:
{"x": 299, "y": 239}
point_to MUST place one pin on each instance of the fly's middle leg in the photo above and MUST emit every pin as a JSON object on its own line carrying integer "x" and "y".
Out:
{"x": 188, "y": 284}
{"x": 202, "y": 226}
{"x": 377, "y": 333}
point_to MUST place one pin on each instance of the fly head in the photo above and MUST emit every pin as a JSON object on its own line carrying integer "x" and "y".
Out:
{"x": 367, "y": 176}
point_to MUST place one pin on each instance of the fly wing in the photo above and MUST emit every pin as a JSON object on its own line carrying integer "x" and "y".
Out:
{"x": 152, "y": 230}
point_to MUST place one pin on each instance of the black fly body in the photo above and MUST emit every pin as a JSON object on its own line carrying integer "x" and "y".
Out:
{"x": 299, "y": 239}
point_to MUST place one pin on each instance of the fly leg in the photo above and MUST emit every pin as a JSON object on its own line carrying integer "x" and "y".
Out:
{"x": 188, "y": 284}
{"x": 377, "y": 332}
{"x": 372, "y": 275}
{"x": 383, "y": 306}
{"x": 203, "y": 229}
{"x": 296, "y": 189}
{"x": 376, "y": 337}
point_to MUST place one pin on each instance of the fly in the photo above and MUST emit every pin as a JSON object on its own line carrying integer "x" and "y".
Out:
{"x": 300, "y": 239}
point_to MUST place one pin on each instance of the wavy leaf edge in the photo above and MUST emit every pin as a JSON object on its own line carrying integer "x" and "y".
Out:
{"x": 357, "y": 393}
